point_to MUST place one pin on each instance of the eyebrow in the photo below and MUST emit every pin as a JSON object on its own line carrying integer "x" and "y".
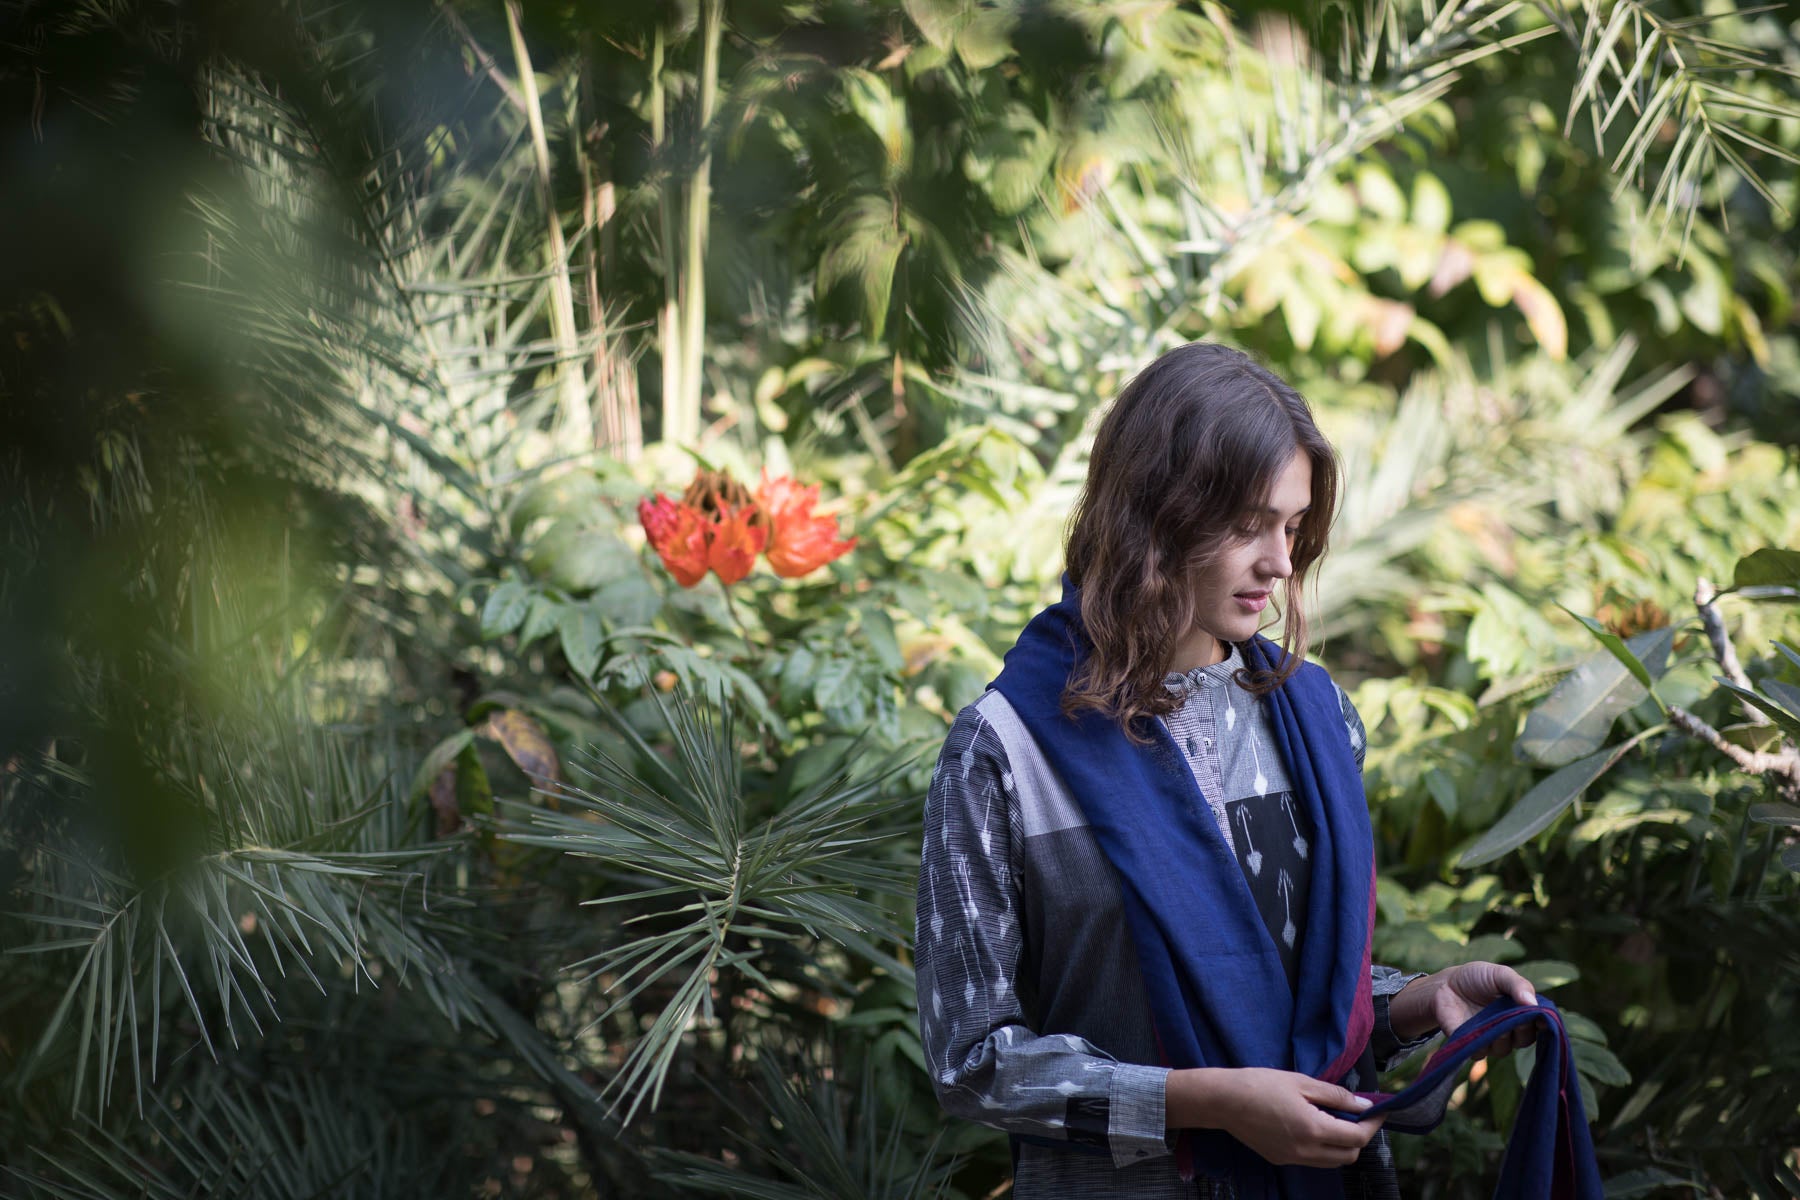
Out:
{"x": 1272, "y": 511}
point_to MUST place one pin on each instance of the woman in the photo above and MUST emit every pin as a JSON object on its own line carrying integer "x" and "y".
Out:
{"x": 1146, "y": 890}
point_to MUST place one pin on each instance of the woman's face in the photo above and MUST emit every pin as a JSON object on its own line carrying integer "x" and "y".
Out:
{"x": 1234, "y": 594}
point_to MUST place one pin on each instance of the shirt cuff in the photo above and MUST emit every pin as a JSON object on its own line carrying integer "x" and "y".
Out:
{"x": 1136, "y": 1128}
{"x": 1386, "y": 1045}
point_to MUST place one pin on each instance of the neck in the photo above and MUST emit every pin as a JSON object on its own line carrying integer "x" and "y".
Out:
{"x": 1197, "y": 649}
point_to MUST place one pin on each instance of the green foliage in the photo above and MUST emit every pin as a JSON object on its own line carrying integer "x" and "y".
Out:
{"x": 815, "y": 868}
{"x": 314, "y": 562}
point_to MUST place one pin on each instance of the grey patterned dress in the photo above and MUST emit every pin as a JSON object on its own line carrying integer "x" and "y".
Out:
{"x": 1031, "y": 1005}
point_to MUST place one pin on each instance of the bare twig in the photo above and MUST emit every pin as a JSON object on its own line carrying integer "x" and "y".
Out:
{"x": 1723, "y": 650}
{"x": 1784, "y": 763}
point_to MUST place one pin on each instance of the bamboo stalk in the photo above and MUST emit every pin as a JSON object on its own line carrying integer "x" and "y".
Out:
{"x": 699, "y": 206}
{"x": 615, "y": 381}
{"x": 574, "y": 416}
{"x": 668, "y": 324}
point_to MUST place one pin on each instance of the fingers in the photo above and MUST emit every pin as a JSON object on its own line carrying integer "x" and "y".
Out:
{"x": 1330, "y": 1095}
{"x": 1339, "y": 1143}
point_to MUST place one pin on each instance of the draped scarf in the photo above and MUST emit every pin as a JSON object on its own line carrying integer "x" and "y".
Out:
{"x": 1218, "y": 994}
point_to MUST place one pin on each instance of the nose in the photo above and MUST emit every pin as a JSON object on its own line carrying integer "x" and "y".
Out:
{"x": 1276, "y": 561}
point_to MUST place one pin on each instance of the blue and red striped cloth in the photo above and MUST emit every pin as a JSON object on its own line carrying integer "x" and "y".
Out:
{"x": 1549, "y": 1155}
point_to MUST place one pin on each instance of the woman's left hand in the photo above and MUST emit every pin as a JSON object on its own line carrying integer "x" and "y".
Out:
{"x": 1449, "y": 997}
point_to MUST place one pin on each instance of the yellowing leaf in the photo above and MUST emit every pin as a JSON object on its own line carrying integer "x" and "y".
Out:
{"x": 525, "y": 742}
{"x": 1302, "y": 312}
{"x": 1543, "y": 314}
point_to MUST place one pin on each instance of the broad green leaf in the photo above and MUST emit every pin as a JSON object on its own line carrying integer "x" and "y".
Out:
{"x": 1789, "y": 723}
{"x": 862, "y": 248}
{"x": 1575, "y": 719}
{"x": 1600, "y": 1064}
{"x": 878, "y": 631}
{"x": 581, "y": 638}
{"x": 986, "y": 41}
{"x": 1443, "y": 791}
{"x": 1430, "y": 203}
{"x": 505, "y": 608}
{"x": 1784, "y": 694}
{"x": 838, "y": 691}
{"x": 1582, "y": 1028}
{"x": 938, "y": 20}
{"x": 474, "y": 794}
{"x": 1777, "y": 812}
{"x": 627, "y": 602}
{"x": 1646, "y": 1180}
{"x": 440, "y": 756}
{"x": 540, "y": 619}
{"x": 1768, "y": 567}
{"x": 578, "y": 558}
{"x": 1302, "y": 312}
{"x": 1788, "y": 653}
{"x": 1547, "y": 973}
{"x": 576, "y": 494}
{"x": 1540, "y": 806}
{"x": 885, "y": 114}
{"x": 796, "y": 675}
{"x": 1615, "y": 645}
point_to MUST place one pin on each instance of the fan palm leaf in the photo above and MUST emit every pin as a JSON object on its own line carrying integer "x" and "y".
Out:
{"x": 713, "y": 882}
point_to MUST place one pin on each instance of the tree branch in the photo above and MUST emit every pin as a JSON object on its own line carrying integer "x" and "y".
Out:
{"x": 1723, "y": 651}
{"x": 1784, "y": 763}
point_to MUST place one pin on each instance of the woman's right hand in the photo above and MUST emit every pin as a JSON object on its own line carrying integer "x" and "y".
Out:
{"x": 1278, "y": 1114}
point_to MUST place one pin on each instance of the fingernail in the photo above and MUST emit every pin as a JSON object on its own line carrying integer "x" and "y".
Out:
{"x": 1360, "y": 1102}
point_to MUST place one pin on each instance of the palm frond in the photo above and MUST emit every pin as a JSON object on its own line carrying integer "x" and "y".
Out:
{"x": 1290, "y": 125}
{"x": 306, "y": 878}
{"x": 287, "y": 1138}
{"x": 388, "y": 291}
{"x": 1667, "y": 72}
{"x": 829, "y": 1147}
{"x": 714, "y": 882}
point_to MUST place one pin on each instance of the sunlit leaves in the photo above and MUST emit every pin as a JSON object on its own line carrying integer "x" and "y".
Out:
{"x": 1576, "y": 719}
{"x": 1689, "y": 75}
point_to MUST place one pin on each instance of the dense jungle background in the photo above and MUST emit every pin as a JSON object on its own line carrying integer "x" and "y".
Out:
{"x": 381, "y": 815}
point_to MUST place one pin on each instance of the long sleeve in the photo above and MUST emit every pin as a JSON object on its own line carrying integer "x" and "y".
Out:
{"x": 987, "y": 1063}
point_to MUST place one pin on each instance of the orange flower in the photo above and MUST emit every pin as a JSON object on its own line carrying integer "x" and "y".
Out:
{"x": 678, "y": 534}
{"x": 799, "y": 541}
{"x": 733, "y": 543}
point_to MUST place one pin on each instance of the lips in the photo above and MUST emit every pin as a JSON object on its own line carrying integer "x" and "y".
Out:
{"x": 1252, "y": 601}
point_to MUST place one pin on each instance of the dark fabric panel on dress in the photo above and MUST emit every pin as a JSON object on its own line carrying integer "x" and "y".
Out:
{"x": 1273, "y": 839}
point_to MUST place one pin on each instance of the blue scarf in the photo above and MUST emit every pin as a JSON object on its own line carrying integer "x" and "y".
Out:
{"x": 1218, "y": 994}
{"x": 1550, "y": 1155}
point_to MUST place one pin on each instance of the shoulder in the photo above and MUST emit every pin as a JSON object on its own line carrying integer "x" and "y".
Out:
{"x": 1353, "y": 723}
{"x": 1315, "y": 677}
{"x": 973, "y": 743}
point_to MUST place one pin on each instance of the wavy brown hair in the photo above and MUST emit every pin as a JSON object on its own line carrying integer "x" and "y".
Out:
{"x": 1190, "y": 449}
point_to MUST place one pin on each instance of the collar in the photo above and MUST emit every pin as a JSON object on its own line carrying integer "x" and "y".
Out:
{"x": 1217, "y": 675}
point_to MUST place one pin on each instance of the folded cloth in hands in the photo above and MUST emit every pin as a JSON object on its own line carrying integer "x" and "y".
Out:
{"x": 1549, "y": 1155}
